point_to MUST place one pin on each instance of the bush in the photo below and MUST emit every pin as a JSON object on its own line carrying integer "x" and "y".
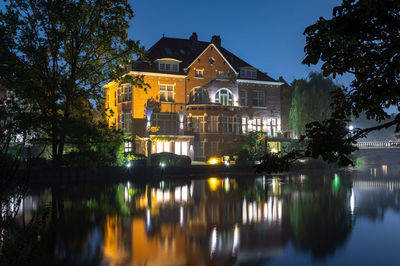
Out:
{"x": 170, "y": 159}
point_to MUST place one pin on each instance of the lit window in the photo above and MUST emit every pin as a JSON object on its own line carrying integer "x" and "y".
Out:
{"x": 181, "y": 148}
{"x": 228, "y": 124}
{"x": 162, "y": 146}
{"x": 178, "y": 148}
{"x": 243, "y": 98}
{"x": 258, "y": 99}
{"x": 244, "y": 125}
{"x": 128, "y": 147}
{"x": 224, "y": 97}
{"x": 257, "y": 124}
{"x": 271, "y": 127}
{"x": 198, "y": 73}
{"x": 166, "y": 93}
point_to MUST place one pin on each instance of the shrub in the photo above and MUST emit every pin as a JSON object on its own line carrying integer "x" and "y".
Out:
{"x": 170, "y": 159}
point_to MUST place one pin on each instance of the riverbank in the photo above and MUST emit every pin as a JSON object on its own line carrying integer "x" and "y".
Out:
{"x": 145, "y": 173}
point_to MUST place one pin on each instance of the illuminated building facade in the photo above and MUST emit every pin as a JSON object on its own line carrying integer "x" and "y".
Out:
{"x": 207, "y": 96}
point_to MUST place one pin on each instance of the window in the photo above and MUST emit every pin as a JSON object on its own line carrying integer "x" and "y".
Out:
{"x": 120, "y": 92}
{"x": 228, "y": 124}
{"x": 212, "y": 124}
{"x": 115, "y": 98}
{"x": 181, "y": 148}
{"x": 198, "y": 73}
{"x": 244, "y": 125}
{"x": 243, "y": 98}
{"x": 224, "y": 97}
{"x": 199, "y": 149}
{"x": 198, "y": 96}
{"x": 213, "y": 148}
{"x": 271, "y": 126}
{"x": 167, "y": 123}
{"x": 248, "y": 73}
{"x": 168, "y": 66}
{"x": 198, "y": 124}
{"x": 166, "y": 93}
{"x": 125, "y": 93}
{"x": 162, "y": 146}
{"x": 128, "y": 147}
{"x": 127, "y": 121}
{"x": 257, "y": 124}
{"x": 211, "y": 60}
{"x": 258, "y": 99}
{"x": 127, "y": 97}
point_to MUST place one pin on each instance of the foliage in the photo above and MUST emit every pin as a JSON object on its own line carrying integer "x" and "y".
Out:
{"x": 320, "y": 221}
{"x": 310, "y": 101}
{"x": 60, "y": 53}
{"x": 170, "y": 159}
{"x": 362, "y": 40}
{"x": 251, "y": 145}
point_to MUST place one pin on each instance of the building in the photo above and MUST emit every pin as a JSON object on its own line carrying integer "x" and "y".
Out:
{"x": 201, "y": 96}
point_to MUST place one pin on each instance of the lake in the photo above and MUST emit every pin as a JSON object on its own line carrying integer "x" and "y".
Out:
{"x": 347, "y": 217}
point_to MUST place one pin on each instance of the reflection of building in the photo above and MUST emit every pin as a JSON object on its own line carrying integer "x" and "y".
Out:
{"x": 207, "y": 96}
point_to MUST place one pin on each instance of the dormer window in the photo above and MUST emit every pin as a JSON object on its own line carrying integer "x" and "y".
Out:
{"x": 171, "y": 65}
{"x": 248, "y": 73}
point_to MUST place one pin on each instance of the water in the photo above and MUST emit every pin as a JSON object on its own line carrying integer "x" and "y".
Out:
{"x": 342, "y": 218}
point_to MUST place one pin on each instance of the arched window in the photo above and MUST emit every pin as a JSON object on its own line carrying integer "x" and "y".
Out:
{"x": 224, "y": 97}
{"x": 198, "y": 96}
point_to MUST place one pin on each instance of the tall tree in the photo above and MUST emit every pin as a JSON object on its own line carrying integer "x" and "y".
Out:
{"x": 65, "y": 50}
{"x": 362, "y": 39}
{"x": 310, "y": 101}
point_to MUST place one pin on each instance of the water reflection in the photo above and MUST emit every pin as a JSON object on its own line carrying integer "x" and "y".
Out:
{"x": 216, "y": 221}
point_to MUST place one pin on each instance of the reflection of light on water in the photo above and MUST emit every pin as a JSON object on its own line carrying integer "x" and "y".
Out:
{"x": 178, "y": 194}
{"x": 250, "y": 213}
{"x": 184, "y": 193}
{"x": 352, "y": 201}
{"x": 279, "y": 210}
{"x": 191, "y": 189}
{"x": 181, "y": 216}
{"x": 213, "y": 241}
{"x": 236, "y": 239}
{"x": 166, "y": 195}
{"x": 159, "y": 195}
{"x": 384, "y": 169}
{"x": 226, "y": 184}
{"x": 148, "y": 219}
{"x": 213, "y": 183}
{"x": 265, "y": 210}
{"x": 244, "y": 211}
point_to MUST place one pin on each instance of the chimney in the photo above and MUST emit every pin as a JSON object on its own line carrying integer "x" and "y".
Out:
{"x": 216, "y": 40}
{"x": 193, "y": 38}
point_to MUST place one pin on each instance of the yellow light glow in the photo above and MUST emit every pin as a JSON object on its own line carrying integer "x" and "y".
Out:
{"x": 213, "y": 183}
{"x": 213, "y": 160}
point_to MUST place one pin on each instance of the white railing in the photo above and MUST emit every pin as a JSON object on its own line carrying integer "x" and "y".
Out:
{"x": 378, "y": 144}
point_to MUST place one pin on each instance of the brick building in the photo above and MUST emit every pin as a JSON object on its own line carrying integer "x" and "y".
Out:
{"x": 207, "y": 96}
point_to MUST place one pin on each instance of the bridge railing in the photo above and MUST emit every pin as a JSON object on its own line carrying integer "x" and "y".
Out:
{"x": 378, "y": 144}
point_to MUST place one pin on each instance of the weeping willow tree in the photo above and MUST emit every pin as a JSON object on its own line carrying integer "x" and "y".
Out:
{"x": 310, "y": 102}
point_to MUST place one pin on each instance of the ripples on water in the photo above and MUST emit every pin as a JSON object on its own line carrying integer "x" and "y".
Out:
{"x": 343, "y": 218}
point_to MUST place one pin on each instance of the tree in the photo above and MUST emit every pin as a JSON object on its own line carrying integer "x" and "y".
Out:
{"x": 361, "y": 39}
{"x": 63, "y": 51}
{"x": 310, "y": 101}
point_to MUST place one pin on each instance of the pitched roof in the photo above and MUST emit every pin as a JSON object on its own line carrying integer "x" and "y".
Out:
{"x": 187, "y": 50}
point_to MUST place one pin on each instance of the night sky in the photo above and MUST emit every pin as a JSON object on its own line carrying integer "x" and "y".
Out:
{"x": 268, "y": 34}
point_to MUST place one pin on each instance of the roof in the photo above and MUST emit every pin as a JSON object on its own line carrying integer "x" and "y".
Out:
{"x": 187, "y": 50}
